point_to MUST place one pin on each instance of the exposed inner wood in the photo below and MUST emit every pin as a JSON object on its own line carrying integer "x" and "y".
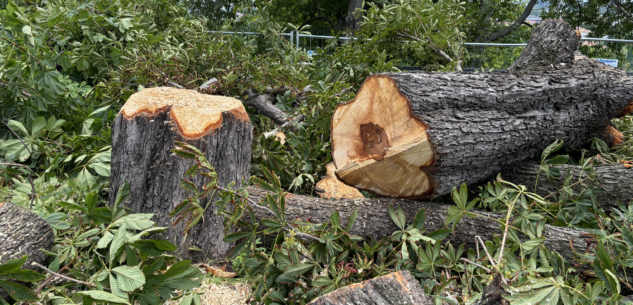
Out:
{"x": 614, "y": 136}
{"x": 332, "y": 188}
{"x": 379, "y": 145}
{"x": 194, "y": 114}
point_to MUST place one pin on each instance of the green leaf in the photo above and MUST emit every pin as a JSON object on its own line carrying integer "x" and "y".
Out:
{"x": 335, "y": 219}
{"x": 118, "y": 240}
{"x": 13, "y": 265}
{"x": 297, "y": 270}
{"x": 322, "y": 281}
{"x": 18, "y": 291}
{"x": 233, "y": 237}
{"x": 352, "y": 219}
{"x": 439, "y": 234}
{"x": 23, "y": 275}
{"x": 130, "y": 278}
{"x": 135, "y": 221}
{"x": 103, "y": 296}
{"x": 105, "y": 240}
{"x": 420, "y": 218}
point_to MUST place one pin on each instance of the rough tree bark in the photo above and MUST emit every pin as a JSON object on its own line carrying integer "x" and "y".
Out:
{"x": 391, "y": 289}
{"x": 22, "y": 232}
{"x": 417, "y": 135}
{"x": 143, "y": 137}
{"x": 373, "y": 220}
{"x": 615, "y": 179}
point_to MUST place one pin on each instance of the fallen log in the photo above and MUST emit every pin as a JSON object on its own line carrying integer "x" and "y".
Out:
{"x": 391, "y": 289}
{"x": 614, "y": 179}
{"x": 417, "y": 135}
{"x": 143, "y": 137}
{"x": 373, "y": 220}
{"x": 22, "y": 232}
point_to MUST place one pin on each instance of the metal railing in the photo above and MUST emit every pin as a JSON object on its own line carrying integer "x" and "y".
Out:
{"x": 488, "y": 55}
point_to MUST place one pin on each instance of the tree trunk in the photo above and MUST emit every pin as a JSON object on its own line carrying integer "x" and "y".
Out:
{"x": 417, "y": 135}
{"x": 373, "y": 220}
{"x": 391, "y": 289}
{"x": 143, "y": 137}
{"x": 615, "y": 179}
{"x": 353, "y": 18}
{"x": 22, "y": 232}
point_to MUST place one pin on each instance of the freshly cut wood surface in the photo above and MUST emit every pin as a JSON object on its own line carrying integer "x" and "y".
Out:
{"x": 417, "y": 135}
{"x": 376, "y": 144}
{"x": 392, "y": 289}
{"x": 331, "y": 187}
{"x": 143, "y": 137}
{"x": 194, "y": 114}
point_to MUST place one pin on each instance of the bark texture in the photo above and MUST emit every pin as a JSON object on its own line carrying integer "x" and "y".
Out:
{"x": 480, "y": 123}
{"x": 398, "y": 288}
{"x": 553, "y": 42}
{"x": 617, "y": 181}
{"x": 373, "y": 220}
{"x": 141, "y": 155}
{"x": 22, "y": 232}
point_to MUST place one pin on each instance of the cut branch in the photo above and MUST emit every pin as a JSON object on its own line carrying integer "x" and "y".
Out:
{"x": 373, "y": 219}
{"x": 505, "y": 31}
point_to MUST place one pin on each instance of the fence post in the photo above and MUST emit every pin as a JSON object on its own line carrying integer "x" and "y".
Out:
{"x": 297, "y": 40}
{"x": 291, "y": 37}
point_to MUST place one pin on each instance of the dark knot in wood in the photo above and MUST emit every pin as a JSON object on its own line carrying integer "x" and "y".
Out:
{"x": 375, "y": 141}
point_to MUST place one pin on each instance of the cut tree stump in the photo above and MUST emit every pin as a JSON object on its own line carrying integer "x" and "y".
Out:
{"x": 617, "y": 181}
{"x": 143, "y": 137}
{"x": 417, "y": 135}
{"x": 397, "y": 288}
{"x": 22, "y": 232}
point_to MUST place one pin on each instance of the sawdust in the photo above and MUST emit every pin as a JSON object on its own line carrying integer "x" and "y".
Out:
{"x": 221, "y": 294}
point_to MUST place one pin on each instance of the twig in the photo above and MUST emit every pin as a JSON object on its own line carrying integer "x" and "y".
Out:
{"x": 574, "y": 184}
{"x": 16, "y": 135}
{"x": 503, "y": 279}
{"x": 5, "y": 84}
{"x": 505, "y": 233}
{"x": 48, "y": 280}
{"x": 175, "y": 85}
{"x": 299, "y": 235}
{"x": 475, "y": 264}
{"x": 342, "y": 92}
{"x": 65, "y": 277}
{"x": 273, "y": 132}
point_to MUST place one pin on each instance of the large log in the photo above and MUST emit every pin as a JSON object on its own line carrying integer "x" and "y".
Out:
{"x": 143, "y": 137}
{"x": 373, "y": 220}
{"x": 22, "y": 232}
{"x": 392, "y": 289}
{"x": 616, "y": 180}
{"x": 417, "y": 135}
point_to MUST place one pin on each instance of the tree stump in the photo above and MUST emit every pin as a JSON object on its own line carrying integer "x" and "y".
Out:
{"x": 417, "y": 135}
{"x": 392, "y": 289}
{"x": 143, "y": 137}
{"x": 22, "y": 232}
